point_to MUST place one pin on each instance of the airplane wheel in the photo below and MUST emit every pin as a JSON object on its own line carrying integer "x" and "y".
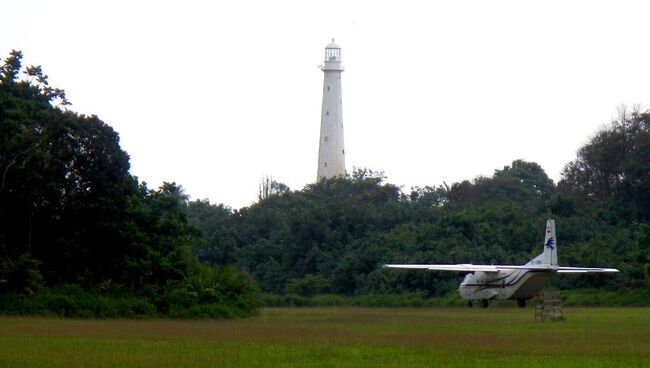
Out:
{"x": 521, "y": 303}
{"x": 469, "y": 304}
{"x": 484, "y": 303}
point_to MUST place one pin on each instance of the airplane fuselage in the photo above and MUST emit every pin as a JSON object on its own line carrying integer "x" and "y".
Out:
{"x": 516, "y": 284}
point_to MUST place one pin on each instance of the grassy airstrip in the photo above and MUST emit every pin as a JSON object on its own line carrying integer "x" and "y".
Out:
{"x": 337, "y": 337}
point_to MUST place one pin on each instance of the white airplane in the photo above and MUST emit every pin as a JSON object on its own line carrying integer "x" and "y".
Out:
{"x": 486, "y": 282}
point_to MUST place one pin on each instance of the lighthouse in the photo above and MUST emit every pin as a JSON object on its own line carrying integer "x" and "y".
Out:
{"x": 331, "y": 151}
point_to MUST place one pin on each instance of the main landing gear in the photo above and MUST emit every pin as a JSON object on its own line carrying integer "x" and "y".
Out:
{"x": 483, "y": 303}
{"x": 521, "y": 303}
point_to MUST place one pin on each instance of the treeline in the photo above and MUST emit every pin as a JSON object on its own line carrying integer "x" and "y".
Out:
{"x": 334, "y": 235}
{"x": 81, "y": 236}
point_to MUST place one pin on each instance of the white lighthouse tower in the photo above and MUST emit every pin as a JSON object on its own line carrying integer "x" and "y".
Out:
{"x": 331, "y": 151}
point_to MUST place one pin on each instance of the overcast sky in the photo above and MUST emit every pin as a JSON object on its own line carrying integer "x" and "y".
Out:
{"x": 215, "y": 95}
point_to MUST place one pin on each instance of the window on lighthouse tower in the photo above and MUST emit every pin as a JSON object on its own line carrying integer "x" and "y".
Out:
{"x": 332, "y": 54}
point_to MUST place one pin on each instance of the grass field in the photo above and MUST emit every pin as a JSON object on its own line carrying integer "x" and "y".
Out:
{"x": 337, "y": 337}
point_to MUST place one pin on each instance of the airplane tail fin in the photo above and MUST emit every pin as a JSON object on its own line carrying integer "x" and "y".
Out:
{"x": 550, "y": 244}
{"x": 549, "y": 255}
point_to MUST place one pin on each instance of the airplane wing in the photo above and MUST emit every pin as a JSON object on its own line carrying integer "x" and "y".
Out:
{"x": 469, "y": 267}
{"x": 497, "y": 268}
{"x": 445, "y": 267}
{"x": 584, "y": 269}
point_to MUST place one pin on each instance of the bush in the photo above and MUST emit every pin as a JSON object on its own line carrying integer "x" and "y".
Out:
{"x": 369, "y": 300}
{"x": 20, "y": 276}
{"x": 581, "y": 297}
{"x": 309, "y": 285}
{"x": 208, "y": 293}
{"x": 603, "y": 298}
{"x": 72, "y": 301}
{"x": 225, "y": 292}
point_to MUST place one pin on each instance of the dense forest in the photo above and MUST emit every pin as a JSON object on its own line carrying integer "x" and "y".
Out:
{"x": 333, "y": 236}
{"x": 80, "y": 235}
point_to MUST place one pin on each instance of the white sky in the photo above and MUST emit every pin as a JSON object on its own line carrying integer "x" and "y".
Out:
{"x": 216, "y": 95}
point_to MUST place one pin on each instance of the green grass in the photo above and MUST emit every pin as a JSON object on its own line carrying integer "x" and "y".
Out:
{"x": 337, "y": 337}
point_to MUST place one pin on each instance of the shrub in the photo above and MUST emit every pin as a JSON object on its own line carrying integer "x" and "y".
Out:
{"x": 309, "y": 285}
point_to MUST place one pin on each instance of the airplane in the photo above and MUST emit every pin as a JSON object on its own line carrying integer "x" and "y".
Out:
{"x": 488, "y": 282}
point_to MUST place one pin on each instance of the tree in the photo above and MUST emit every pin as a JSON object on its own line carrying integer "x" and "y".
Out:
{"x": 72, "y": 216}
{"x": 613, "y": 167}
{"x": 524, "y": 183}
{"x": 216, "y": 225}
{"x": 269, "y": 187}
{"x": 31, "y": 172}
{"x": 309, "y": 285}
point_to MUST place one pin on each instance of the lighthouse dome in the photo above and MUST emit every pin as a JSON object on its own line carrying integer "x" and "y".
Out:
{"x": 332, "y": 45}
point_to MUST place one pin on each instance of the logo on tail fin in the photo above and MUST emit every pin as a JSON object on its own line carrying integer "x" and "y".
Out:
{"x": 549, "y": 244}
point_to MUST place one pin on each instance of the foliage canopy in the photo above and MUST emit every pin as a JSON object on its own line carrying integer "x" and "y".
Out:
{"x": 72, "y": 214}
{"x": 75, "y": 225}
{"x": 344, "y": 229}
